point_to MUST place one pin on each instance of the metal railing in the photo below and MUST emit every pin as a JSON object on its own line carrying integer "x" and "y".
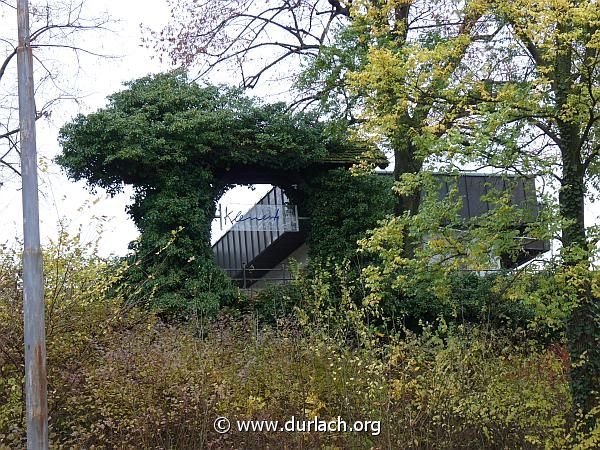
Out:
{"x": 246, "y": 276}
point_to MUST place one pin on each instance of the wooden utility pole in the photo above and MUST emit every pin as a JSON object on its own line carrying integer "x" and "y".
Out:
{"x": 33, "y": 285}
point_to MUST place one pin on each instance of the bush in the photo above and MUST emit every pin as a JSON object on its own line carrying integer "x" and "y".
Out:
{"x": 332, "y": 296}
{"x": 119, "y": 378}
{"x": 469, "y": 389}
{"x": 274, "y": 302}
{"x": 81, "y": 319}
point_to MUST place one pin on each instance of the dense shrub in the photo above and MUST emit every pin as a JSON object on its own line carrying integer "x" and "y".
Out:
{"x": 160, "y": 387}
{"x": 330, "y": 294}
{"x": 274, "y": 302}
{"x": 342, "y": 206}
{"x": 81, "y": 319}
{"x": 468, "y": 298}
{"x": 119, "y": 378}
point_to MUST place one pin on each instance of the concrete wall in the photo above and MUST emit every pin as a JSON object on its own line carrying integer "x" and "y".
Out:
{"x": 282, "y": 270}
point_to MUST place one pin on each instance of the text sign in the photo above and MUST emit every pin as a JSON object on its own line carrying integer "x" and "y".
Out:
{"x": 260, "y": 218}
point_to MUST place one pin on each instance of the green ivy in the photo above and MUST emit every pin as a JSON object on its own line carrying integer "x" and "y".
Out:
{"x": 342, "y": 207}
{"x": 171, "y": 139}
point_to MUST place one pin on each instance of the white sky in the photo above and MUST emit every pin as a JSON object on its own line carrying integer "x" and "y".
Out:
{"x": 99, "y": 217}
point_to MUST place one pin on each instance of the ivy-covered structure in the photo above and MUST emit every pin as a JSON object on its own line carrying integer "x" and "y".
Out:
{"x": 181, "y": 146}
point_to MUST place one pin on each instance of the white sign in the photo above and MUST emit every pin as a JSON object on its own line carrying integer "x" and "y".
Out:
{"x": 259, "y": 218}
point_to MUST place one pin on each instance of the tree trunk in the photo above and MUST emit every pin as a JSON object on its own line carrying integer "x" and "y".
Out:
{"x": 406, "y": 162}
{"x": 582, "y": 329}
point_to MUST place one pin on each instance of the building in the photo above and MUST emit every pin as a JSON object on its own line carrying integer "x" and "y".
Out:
{"x": 263, "y": 240}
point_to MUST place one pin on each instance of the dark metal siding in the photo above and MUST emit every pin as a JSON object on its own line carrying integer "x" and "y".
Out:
{"x": 236, "y": 248}
{"x": 477, "y": 192}
{"x": 262, "y": 250}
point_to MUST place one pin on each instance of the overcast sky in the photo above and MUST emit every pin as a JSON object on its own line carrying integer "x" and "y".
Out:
{"x": 68, "y": 203}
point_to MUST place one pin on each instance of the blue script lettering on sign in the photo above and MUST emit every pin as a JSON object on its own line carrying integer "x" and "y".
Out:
{"x": 265, "y": 217}
{"x": 240, "y": 217}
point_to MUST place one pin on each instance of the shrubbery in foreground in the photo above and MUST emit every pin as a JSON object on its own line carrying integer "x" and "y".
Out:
{"x": 119, "y": 378}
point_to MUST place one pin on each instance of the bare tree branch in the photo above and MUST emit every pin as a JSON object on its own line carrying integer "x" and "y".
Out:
{"x": 7, "y": 61}
{"x": 56, "y": 25}
{"x": 212, "y": 33}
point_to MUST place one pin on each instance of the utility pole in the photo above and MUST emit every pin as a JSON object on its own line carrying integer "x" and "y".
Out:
{"x": 36, "y": 394}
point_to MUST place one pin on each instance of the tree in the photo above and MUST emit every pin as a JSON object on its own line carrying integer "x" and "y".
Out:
{"x": 522, "y": 96}
{"x": 173, "y": 140}
{"x": 256, "y": 38}
{"x": 56, "y": 29}
{"x": 557, "y": 96}
{"x": 216, "y": 33}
